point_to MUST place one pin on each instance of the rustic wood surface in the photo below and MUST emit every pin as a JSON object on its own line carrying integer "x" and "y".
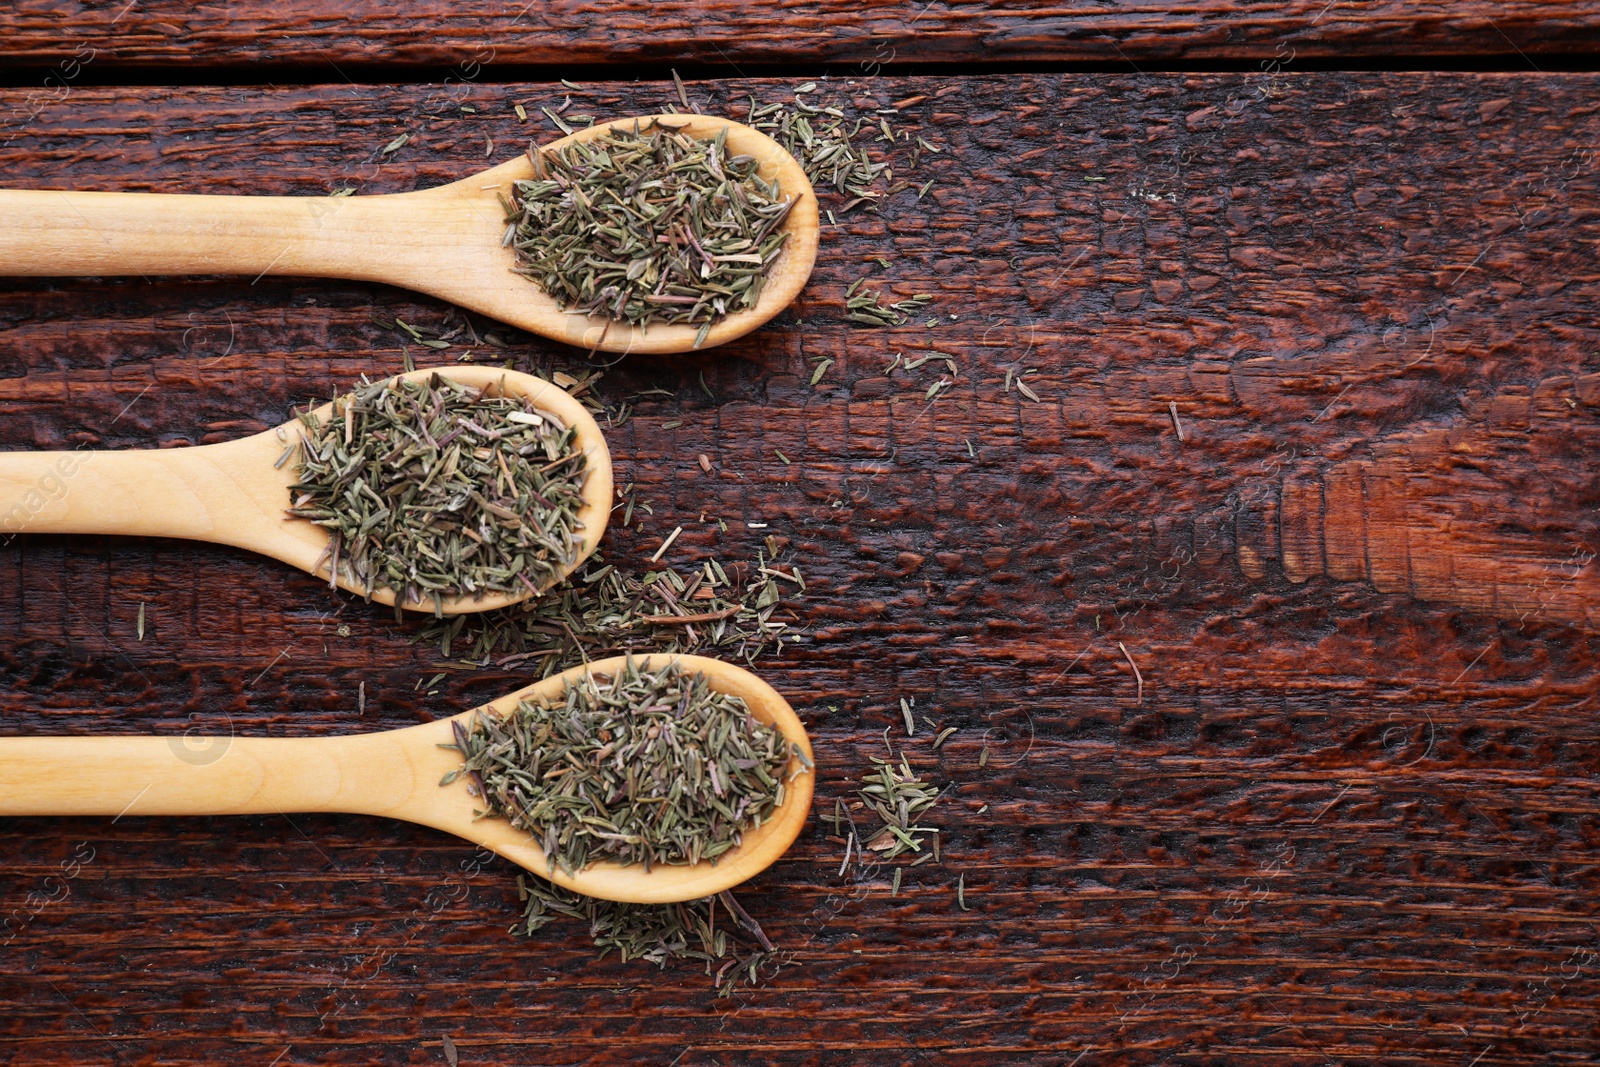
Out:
{"x": 469, "y": 40}
{"x": 1346, "y": 813}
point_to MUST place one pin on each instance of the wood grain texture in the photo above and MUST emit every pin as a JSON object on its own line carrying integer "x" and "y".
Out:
{"x": 1352, "y": 815}
{"x": 465, "y": 41}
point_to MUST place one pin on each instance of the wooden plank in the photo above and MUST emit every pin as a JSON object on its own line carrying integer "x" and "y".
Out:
{"x": 1338, "y": 823}
{"x": 1301, "y": 517}
{"x": 477, "y": 40}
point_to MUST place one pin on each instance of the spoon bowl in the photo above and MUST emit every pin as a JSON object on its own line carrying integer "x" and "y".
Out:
{"x": 233, "y": 494}
{"x": 444, "y": 241}
{"x": 395, "y": 773}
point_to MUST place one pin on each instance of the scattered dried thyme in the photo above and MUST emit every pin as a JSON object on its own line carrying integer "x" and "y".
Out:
{"x": 435, "y": 488}
{"x": 603, "y": 610}
{"x": 818, "y": 136}
{"x": 647, "y": 225}
{"x": 826, "y": 142}
{"x": 657, "y": 932}
{"x": 866, "y": 308}
{"x": 647, "y": 766}
{"x": 897, "y": 796}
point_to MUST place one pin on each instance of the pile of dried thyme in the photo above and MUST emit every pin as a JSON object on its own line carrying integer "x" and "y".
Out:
{"x": 647, "y": 766}
{"x": 734, "y": 609}
{"x": 436, "y": 488}
{"x": 647, "y": 225}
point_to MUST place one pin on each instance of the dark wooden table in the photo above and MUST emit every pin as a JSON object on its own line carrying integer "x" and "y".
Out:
{"x": 1345, "y": 813}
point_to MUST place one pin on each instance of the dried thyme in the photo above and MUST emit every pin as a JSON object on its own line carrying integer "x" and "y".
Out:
{"x": 897, "y": 796}
{"x": 648, "y": 225}
{"x": 828, "y": 145}
{"x": 647, "y": 766}
{"x": 603, "y": 610}
{"x": 657, "y": 932}
{"x": 819, "y": 137}
{"x": 436, "y": 488}
{"x": 866, "y": 308}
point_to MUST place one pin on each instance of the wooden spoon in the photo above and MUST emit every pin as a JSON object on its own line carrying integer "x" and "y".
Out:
{"x": 395, "y": 773}
{"x": 444, "y": 241}
{"x": 231, "y": 494}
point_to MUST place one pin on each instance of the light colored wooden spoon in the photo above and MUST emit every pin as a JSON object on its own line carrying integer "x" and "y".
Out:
{"x": 395, "y": 773}
{"x": 444, "y": 241}
{"x": 231, "y": 494}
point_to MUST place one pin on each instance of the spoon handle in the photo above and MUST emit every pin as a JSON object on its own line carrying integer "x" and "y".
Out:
{"x": 56, "y": 232}
{"x": 185, "y": 775}
{"x": 178, "y": 492}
